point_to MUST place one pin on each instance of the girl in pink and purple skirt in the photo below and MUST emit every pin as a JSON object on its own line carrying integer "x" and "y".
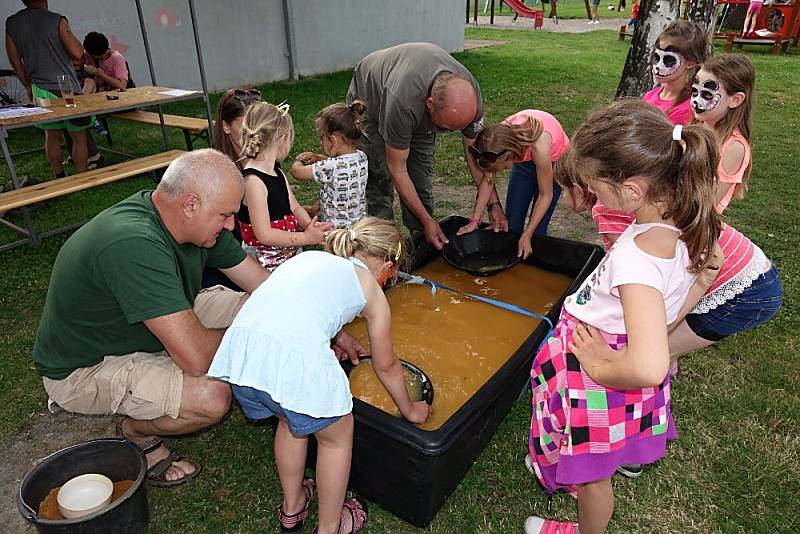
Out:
{"x": 632, "y": 158}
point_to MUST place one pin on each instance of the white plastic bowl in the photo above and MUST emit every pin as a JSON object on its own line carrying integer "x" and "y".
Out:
{"x": 84, "y": 494}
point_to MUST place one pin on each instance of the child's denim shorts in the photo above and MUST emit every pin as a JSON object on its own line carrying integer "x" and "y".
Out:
{"x": 259, "y": 405}
{"x": 754, "y": 306}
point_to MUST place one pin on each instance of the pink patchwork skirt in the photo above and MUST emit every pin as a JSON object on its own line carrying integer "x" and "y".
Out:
{"x": 582, "y": 431}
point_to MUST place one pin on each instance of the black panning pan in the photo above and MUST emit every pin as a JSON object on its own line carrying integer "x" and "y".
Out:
{"x": 482, "y": 252}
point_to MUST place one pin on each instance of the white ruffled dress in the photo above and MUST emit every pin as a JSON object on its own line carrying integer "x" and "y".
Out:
{"x": 280, "y": 340}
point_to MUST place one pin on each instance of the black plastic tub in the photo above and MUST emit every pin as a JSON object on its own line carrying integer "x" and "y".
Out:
{"x": 409, "y": 471}
{"x": 115, "y": 458}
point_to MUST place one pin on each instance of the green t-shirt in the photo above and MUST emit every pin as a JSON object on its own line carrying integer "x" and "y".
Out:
{"x": 119, "y": 269}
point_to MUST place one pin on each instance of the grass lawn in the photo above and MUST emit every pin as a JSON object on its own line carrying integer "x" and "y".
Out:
{"x": 735, "y": 467}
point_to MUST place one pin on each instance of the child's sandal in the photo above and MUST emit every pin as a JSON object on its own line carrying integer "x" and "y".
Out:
{"x": 358, "y": 515}
{"x": 294, "y": 522}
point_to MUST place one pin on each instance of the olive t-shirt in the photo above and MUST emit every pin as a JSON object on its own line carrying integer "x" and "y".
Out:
{"x": 119, "y": 269}
{"x": 395, "y": 82}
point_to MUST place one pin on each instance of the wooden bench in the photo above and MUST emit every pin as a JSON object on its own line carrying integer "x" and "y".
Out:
{"x": 778, "y": 43}
{"x": 623, "y": 32}
{"x": 192, "y": 127}
{"x": 26, "y": 196}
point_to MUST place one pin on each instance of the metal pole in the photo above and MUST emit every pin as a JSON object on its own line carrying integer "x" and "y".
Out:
{"x": 34, "y": 239}
{"x": 467, "y": 22}
{"x": 475, "y": 12}
{"x": 202, "y": 73}
{"x": 491, "y": 21}
{"x": 152, "y": 71}
{"x": 288, "y": 23}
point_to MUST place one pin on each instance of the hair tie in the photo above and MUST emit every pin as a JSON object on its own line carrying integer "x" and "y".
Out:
{"x": 676, "y": 132}
{"x": 352, "y": 234}
{"x": 283, "y": 107}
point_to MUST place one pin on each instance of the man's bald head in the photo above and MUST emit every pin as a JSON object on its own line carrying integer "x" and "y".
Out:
{"x": 205, "y": 172}
{"x": 453, "y": 102}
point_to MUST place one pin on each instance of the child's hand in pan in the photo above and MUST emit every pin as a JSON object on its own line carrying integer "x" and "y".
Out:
{"x": 420, "y": 411}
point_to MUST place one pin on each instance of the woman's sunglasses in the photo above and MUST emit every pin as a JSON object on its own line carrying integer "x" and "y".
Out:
{"x": 485, "y": 158}
{"x": 246, "y": 95}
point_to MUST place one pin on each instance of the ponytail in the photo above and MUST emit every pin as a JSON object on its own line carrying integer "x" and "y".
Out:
{"x": 345, "y": 119}
{"x": 371, "y": 236}
{"x": 693, "y": 205}
{"x": 629, "y": 139}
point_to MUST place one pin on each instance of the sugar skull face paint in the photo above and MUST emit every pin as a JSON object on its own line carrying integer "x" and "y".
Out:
{"x": 666, "y": 62}
{"x": 705, "y": 95}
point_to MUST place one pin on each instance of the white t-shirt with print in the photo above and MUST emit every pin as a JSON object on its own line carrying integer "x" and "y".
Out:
{"x": 598, "y": 303}
{"x": 343, "y": 195}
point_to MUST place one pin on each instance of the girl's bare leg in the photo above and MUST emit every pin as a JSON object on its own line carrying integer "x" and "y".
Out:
{"x": 334, "y": 451}
{"x": 595, "y": 506}
{"x": 290, "y": 457}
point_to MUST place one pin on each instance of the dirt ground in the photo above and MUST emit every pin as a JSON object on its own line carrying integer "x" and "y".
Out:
{"x": 47, "y": 433}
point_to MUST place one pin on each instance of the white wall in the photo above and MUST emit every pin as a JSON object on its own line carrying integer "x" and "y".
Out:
{"x": 244, "y": 41}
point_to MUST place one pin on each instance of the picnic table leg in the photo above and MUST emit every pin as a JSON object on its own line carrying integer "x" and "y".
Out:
{"x": 31, "y": 232}
{"x": 188, "y": 137}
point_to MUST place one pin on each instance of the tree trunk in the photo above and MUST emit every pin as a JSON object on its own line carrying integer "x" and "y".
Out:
{"x": 704, "y": 12}
{"x": 654, "y": 17}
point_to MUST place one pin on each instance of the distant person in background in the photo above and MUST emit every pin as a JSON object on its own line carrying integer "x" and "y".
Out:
{"x": 634, "y": 14}
{"x": 595, "y": 19}
{"x": 106, "y": 69}
{"x": 40, "y": 47}
{"x": 753, "y": 9}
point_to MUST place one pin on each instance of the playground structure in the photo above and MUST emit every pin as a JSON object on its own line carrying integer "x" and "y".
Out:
{"x": 777, "y": 25}
{"x": 518, "y": 7}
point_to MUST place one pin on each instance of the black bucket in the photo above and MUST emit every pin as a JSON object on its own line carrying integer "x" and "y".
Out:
{"x": 115, "y": 458}
{"x": 482, "y": 252}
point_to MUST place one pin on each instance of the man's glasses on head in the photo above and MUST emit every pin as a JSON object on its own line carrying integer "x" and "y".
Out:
{"x": 485, "y": 158}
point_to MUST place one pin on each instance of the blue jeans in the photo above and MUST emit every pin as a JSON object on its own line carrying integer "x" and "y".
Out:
{"x": 523, "y": 189}
{"x": 754, "y": 306}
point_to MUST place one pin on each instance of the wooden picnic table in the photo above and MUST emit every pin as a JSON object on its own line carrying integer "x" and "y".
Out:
{"x": 86, "y": 105}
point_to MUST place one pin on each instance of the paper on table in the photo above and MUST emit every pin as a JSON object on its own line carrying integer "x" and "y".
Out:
{"x": 177, "y": 92}
{"x": 21, "y": 111}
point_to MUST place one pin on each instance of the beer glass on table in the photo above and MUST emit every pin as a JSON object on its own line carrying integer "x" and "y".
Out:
{"x": 67, "y": 90}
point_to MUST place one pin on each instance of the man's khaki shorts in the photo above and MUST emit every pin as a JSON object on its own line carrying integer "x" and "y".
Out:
{"x": 141, "y": 385}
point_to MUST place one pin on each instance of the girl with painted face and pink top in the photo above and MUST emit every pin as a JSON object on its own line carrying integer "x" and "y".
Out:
{"x": 678, "y": 53}
{"x": 529, "y": 143}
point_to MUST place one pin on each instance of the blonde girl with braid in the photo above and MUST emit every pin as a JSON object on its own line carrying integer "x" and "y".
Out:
{"x": 273, "y": 224}
{"x": 278, "y": 358}
{"x": 529, "y": 143}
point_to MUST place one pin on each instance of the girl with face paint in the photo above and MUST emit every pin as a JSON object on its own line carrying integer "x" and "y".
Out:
{"x": 529, "y": 143}
{"x": 278, "y": 358}
{"x": 722, "y": 100}
{"x": 678, "y": 51}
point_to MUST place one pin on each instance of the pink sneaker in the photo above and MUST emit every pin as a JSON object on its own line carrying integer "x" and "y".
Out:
{"x": 537, "y": 525}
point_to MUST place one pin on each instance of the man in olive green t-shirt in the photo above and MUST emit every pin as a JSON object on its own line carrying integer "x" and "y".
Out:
{"x": 126, "y": 328}
{"x": 412, "y": 91}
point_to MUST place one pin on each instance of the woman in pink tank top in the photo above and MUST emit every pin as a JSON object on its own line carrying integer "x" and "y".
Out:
{"x": 529, "y": 143}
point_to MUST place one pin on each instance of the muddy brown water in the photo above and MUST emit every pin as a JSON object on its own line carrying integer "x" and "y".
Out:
{"x": 459, "y": 343}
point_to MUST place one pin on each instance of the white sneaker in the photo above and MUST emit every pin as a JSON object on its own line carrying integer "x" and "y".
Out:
{"x": 529, "y": 464}
{"x": 597, "y": 22}
{"x": 52, "y": 407}
{"x": 591, "y": 22}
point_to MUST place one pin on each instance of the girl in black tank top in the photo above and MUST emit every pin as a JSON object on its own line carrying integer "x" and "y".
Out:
{"x": 272, "y": 223}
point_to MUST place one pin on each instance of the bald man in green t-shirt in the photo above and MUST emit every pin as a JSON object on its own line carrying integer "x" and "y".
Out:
{"x": 126, "y": 327}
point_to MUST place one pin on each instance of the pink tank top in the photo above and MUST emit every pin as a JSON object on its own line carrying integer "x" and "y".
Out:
{"x": 738, "y": 251}
{"x": 559, "y": 139}
{"x": 736, "y": 177}
{"x": 681, "y": 113}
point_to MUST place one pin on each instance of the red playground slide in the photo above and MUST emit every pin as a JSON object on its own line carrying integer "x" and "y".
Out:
{"x": 519, "y": 7}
